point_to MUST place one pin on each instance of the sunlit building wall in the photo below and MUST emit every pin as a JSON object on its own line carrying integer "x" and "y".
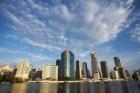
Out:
{"x": 50, "y": 71}
{"x": 23, "y": 69}
{"x": 94, "y": 66}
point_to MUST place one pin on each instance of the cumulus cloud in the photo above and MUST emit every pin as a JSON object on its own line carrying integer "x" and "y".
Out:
{"x": 77, "y": 25}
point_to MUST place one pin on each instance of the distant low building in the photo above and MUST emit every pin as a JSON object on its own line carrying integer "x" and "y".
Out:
{"x": 6, "y": 72}
{"x": 5, "y": 68}
{"x": 136, "y": 76}
{"x": 23, "y": 69}
{"x": 50, "y": 72}
{"x": 38, "y": 75}
{"x": 127, "y": 74}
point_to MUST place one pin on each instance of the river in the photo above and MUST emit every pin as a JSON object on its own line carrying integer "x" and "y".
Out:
{"x": 83, "y": 87}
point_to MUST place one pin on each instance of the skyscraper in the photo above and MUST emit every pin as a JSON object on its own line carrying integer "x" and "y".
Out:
{"x": 119, "y": 68}
{"x": 78, "y": 70}
{"x": 72, "y": 67}
{"x": 94, "y": 66}
{"x": 104, "y": 69}
{"x": 117, "y": 61}
{"x": 84, "y": 70}
{"x": 59, "y": 64}
{"x": 67, "y": 59}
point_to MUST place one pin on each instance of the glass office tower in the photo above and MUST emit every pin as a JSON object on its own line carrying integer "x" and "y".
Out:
{"x": 67, "y": 59}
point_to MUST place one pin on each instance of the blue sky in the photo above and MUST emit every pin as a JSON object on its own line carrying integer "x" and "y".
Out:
{"x": 39, "y": 30}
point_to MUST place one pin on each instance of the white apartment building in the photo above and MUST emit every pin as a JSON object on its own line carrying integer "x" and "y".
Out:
{"x": 23, "y": 69}
{"x": 50, "y": 71}
{"x": 5, "y": 68}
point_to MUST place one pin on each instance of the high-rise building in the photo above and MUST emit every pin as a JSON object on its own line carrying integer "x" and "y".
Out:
{"x": 117, "y": 61}
{"x": 94, "y": 66}
{"x": 23, "y": 69}
{"x": 78, "y": 70}
{"x": 50, "y": 71}
{"x": 84, "y": 70}
{"x": 72, "y": 67}
{"x": 119, "y": 68}
{"x": 104, "y": 69}
{"x": 67, "y": 59}
{"x": 59, "y": 64}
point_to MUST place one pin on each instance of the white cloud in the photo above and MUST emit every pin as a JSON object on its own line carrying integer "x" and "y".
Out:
{"x": 42, "y": 45}
{"x": 136, "y": 34}
{"x": 78, "y": 26}
{"x": 40, "y": 58}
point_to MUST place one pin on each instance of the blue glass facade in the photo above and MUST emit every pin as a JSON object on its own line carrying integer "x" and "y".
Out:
{"x": 67, "y": 58}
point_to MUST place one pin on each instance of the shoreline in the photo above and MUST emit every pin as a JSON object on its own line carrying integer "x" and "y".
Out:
{"x": 95, "y": 81}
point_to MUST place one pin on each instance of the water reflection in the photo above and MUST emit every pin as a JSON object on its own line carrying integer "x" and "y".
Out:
{"x": 48, "y": 88}
{"x": 84, "y": 87}
{"x": 19, "y": 88}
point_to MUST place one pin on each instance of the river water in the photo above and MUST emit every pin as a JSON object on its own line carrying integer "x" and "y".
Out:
{"x": 84, "y": 87}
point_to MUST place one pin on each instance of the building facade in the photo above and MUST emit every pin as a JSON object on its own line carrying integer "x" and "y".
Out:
{"x": 59, "y": 64}
{"x": 68, "y": 69}
{"x": 22, "y": 69}
{"x": 50, "y": 72}
{"x": 117, "y": 61}
{"x": 118, "y": 67}
{"x": 114, "y": 75}
{"x": 104, "y": 69}
{"x": 84, "y": 70}
{"x": 94, "y": 66}
{"x": 78, "y": 70}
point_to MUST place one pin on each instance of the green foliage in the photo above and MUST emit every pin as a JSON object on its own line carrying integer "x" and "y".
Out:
{"x": 69, "y": 78}
{"x": 1, "y": 78}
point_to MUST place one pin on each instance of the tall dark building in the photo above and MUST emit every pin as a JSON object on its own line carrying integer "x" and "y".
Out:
{"x": 117, "y": 61}
{"x": 84, "y": 70}
{"x": 59, "y": 64}
{"x": 104, "y": 69}
{"x": 67, "y": 59}
{"x": 78, "y": 70}
{"x": 94, "y": 66}
{"x": 72, "y": 61}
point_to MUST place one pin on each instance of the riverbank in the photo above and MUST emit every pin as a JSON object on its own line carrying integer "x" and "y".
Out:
{"x": 96, "y": 81}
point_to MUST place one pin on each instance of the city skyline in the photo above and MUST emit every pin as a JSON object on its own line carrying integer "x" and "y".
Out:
{"x": 39, "y": 31}
{"x": 66, "y": 69}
